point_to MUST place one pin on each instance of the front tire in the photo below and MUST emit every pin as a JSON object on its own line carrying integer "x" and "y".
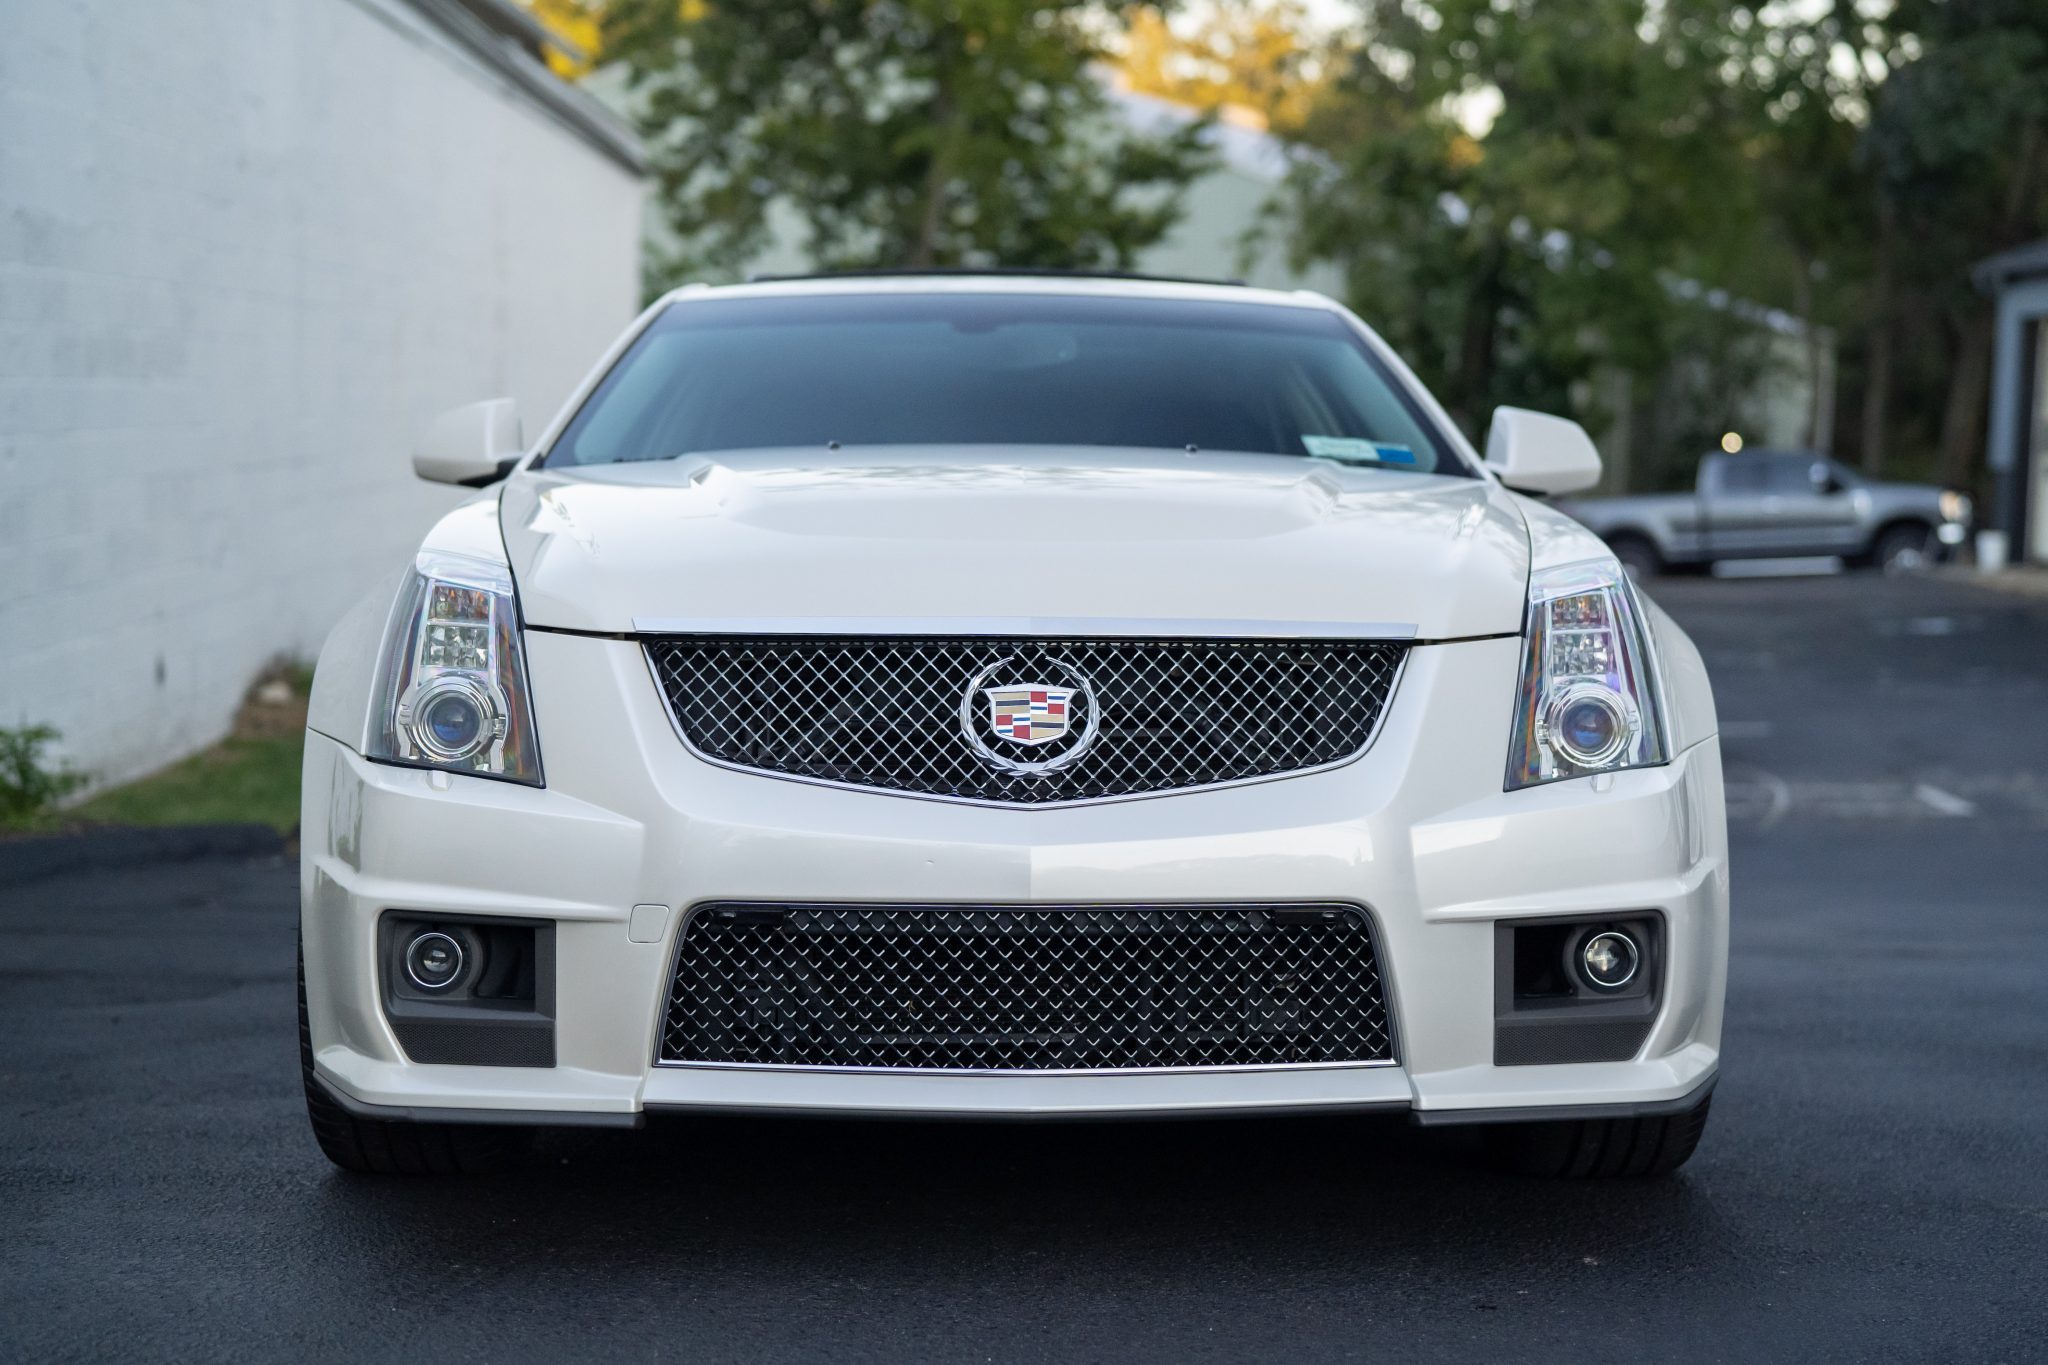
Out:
{"x": 1904, "y": 549}
{"x": 1577, "y": 1149}
{"x": 397, "y": 1147}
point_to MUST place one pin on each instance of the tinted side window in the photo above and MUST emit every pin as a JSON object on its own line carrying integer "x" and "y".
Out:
{"x": 1740, "y": 477}
{"x": 1791, "y": 475}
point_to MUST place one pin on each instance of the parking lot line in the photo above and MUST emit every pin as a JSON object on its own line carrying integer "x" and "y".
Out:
{"x": 1948, "y": 803}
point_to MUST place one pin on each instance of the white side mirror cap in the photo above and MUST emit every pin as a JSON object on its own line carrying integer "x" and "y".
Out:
{"x": 472, "y": 445}
{"x": 1534, "y": 452}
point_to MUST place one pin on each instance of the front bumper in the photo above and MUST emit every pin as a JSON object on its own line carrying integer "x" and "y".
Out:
{"x": 632, "y": 831}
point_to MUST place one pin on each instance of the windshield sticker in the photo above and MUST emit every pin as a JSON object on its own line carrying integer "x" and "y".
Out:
{"x": 1355, "y": 448}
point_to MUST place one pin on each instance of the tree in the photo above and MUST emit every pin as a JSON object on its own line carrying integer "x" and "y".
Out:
{"x": 1957, "y": 149}
{"x": 1514, "y": 258}
{"x": 911, "y": 133}
{"x": 1256, "y": 56}
{"x": 1808, "y": 77}
{"x": 578, "y": 33}
{"x": 1903, "y": 144}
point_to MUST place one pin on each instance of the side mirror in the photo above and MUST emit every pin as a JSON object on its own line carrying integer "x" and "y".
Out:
{"x": 1824, "y": 480}
{"x": 472, "y": 446}
{"x": 1533, "y": 452}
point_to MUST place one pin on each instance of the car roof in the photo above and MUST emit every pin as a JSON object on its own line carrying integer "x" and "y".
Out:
{"x": 1004, "y": 282}
{"x": 1034, "y": 272}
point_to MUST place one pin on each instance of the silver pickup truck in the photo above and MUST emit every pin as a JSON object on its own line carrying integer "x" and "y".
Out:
{"x": 1770, "y": 504}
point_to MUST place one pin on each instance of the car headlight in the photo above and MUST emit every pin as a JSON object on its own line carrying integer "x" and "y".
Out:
{"x": 1588, "y": 700}
{"x": 451, "y": 686}
{"x": 1955, "y": 506}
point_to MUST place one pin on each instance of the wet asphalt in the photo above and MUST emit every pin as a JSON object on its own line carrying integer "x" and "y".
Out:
{"x": 1874, "y": 1183}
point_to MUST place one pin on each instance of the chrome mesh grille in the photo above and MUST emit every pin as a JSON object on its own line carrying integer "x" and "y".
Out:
{"x": 887, "y": 712}
{"x": 1041, "y": 988}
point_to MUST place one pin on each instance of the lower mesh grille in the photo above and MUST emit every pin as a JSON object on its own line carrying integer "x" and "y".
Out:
{"x": 1039, "y": 988}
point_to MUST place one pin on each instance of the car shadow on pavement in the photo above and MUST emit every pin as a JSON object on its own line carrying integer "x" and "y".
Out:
{"x": 956, "y": 1203}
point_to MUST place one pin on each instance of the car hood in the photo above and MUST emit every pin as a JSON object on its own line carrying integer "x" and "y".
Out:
{"x": 925, "y": 536}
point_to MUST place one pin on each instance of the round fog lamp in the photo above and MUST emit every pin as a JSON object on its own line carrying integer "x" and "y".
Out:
{"x": 1608, "y": 960}
{"x": 433, "y": 960}
{"x": 1588, "y": 726}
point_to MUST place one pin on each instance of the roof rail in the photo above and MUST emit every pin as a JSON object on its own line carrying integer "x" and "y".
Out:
{"x": 957, "y": 271}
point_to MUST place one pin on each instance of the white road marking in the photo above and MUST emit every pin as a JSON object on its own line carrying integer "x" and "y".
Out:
{"x": 1781, "y": 797}
{"x": 1753, "y": 794}
{"x": 1948, "y": 803}
{"x": 1761, "y": 798}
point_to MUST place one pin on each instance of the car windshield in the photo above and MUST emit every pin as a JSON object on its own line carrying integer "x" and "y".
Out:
{"x": 959, "y": 369}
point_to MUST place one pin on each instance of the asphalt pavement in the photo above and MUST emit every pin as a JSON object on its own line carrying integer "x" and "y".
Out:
{"x": 1874, "y": 1182}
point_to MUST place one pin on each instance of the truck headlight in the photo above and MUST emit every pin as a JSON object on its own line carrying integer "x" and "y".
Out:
{"x": 1587, "y": 702}
{"x": 451, "y": 685}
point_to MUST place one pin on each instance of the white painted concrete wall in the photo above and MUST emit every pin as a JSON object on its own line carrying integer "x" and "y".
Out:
{"x": 246, "y": 251}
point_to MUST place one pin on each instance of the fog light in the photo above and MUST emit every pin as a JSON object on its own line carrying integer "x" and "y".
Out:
{"x": 433, "y": 960}
{"x": 1608, "y": 960}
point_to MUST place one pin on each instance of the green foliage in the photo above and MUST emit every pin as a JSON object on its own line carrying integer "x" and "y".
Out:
{"x": 250, "y": 777}
{"x": 1957, "y": 145}
{"x": 29, "y": 788}
{"x": 1512, "y": 262}
{"x": 900, "y": 132}
{"x": 1254, "y": 55}
{"x": 1847, "y": 163}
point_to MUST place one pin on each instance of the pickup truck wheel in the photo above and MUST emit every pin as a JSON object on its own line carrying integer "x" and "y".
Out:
{"x": 1637, "y": 555}
{"x": 1583, "y": 1148}
{"x": 1904, "y": 549}
{"x": 381, "y": 1147}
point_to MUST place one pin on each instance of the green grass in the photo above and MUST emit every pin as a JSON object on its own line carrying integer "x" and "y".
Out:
{"x": 251, "y": 777}
{"x": 238, "y": 781}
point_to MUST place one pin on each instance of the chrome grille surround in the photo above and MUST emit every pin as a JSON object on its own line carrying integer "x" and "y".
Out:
{"x": 887, "y": 712}
{"x": 1016, "y": 988}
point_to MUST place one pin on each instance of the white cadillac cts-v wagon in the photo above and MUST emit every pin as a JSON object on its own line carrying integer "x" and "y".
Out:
{"x": 1016, "y": 696}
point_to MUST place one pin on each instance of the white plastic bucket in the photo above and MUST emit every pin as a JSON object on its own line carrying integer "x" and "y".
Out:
{"x": 1994, "y": 549}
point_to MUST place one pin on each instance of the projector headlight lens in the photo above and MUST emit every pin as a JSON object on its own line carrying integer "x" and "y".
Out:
{"x": 1588, "y": 726}
{"x": 451, "y": 687}
{"x": 451, "y": 718}
{"x": 1588, "y": 696}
